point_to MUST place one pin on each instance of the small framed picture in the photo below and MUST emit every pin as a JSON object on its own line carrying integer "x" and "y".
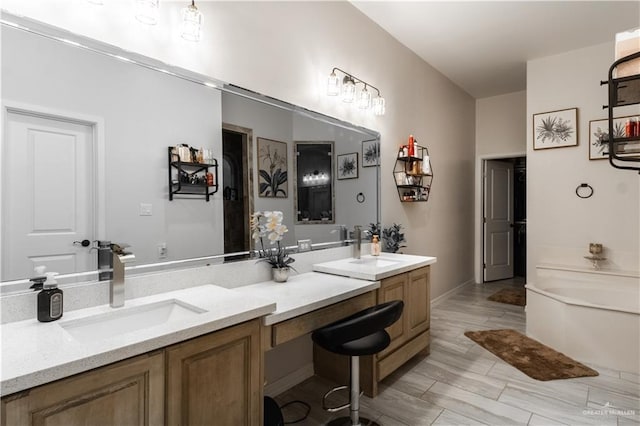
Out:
{"x": 599, "y": 136}
{"x": 555, "y": 129}
{"x": 371, "y": 153}
{"x": 348, "y": 166}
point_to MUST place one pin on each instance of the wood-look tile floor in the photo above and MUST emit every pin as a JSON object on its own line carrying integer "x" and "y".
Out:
{"x": 460, "y": 383}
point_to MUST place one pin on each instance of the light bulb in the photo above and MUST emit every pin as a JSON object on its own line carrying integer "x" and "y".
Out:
{"x": 379, "y": 107}
{"x": 364, "y": 98}
{"x": 146, "y": 11}
{"x": 348, "y": 89}
{"x": 191, "y": 23}
{"x": 333, "y": 84}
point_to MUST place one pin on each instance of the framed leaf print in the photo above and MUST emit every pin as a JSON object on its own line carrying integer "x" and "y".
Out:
{"x": 272, "y": 169}
{"x": 348, "y": 166}
{"x": 555, "y": 129}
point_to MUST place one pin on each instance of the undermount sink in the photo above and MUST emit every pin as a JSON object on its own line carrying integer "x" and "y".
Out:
{"x": 126, "y": 320}
{"x": 377, "y": 262}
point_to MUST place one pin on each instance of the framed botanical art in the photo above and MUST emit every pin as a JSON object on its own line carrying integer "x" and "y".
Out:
{"x": 555, "y": 129}
{"x": 348, "y": 166}
{"x": 272, "y": 168}
{"x": 370, "y": 153}
{"x": 599, "y": 136}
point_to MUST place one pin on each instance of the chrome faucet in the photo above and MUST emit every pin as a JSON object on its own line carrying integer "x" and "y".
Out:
{"x": 116, "y": 286}
{"x": 357, "y": 236}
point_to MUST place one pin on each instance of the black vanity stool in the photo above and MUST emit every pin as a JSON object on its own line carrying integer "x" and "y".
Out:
{"x": 360, "y": 334}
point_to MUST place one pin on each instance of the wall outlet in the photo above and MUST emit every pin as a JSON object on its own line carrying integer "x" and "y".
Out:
{"x": 304, "y": 245}
{"x": 146, "y": 209}
{"x": 162, "y": 251}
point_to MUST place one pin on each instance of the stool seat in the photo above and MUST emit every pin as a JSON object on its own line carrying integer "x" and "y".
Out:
{"x": 360, "y": 334}
{"x": 367, "y": 345}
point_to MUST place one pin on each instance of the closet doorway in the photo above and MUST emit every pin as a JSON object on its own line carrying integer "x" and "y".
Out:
{"x": 504, "y": 222}
{"x": 237, "y": 189}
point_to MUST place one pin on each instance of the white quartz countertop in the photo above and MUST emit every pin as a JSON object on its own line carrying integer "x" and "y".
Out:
{"x": 34, "y": 353}
{"x": 305, "y": 293}
{"x": 374, "y": 267}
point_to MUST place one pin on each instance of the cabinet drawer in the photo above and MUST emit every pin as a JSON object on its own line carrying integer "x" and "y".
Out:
{"x": 391, "y": 362}
{"x": 299, "y": 326}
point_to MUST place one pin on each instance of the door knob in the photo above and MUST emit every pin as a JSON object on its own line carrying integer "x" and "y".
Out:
{"x": 83, "y": 243}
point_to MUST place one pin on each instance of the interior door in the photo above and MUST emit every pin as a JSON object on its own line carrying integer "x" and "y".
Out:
{"x": 47, "y": 189}
{"x": 498, "y": 220}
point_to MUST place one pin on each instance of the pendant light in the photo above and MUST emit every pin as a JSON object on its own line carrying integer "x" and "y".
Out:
{"x": 379, "y": 107}
{"x": 147, "y": 11}
{"x": 333, "y": 84}
{"x": 364, "y": 98}
{"x": 191, "y": 22}
{"x": 348, "y": 89}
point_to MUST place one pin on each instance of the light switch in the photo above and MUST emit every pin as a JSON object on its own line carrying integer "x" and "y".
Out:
{"x": 146, "y": 209}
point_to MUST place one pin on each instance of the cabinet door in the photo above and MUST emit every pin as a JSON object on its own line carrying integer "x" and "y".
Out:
{"x": 418, "y": 303}
{"x": 215, "y": 379}
{"x": 394, "y": 288}
{"x": 129, "y": 392}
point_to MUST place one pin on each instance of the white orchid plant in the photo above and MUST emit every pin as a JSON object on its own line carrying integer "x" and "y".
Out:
{"x": 268, "y": 225}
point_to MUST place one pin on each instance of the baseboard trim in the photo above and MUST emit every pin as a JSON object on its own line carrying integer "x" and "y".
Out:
{"x": 450, "y": 293}
{"x": 289, "y": 381}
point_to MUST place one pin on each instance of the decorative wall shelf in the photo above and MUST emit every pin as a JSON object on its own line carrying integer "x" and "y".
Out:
{"x": 623, "y": 91}
{"x": 186, "y": 178}
{"x": 413, "y": 175}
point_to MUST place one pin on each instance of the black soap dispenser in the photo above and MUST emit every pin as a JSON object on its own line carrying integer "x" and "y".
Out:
{"x": 50, "y": 300}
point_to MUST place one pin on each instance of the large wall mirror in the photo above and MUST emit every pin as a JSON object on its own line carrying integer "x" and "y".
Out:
{"x": 84, "y": 157}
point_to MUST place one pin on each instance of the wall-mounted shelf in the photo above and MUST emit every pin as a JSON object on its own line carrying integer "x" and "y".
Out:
{"x": 186, "y": 178}
{"x": 623, "y": 91}
{"x": 413, "y": 175}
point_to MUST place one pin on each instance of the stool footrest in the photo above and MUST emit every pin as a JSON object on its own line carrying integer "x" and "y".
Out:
{"x": 340, "y": 407}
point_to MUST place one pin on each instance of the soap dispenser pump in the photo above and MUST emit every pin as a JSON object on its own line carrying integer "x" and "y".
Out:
{"x": 50, "y": 300}
{"x": 375, "y": 246}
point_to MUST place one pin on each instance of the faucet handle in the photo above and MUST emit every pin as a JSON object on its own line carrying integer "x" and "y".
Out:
{"x": 119, "y": 248}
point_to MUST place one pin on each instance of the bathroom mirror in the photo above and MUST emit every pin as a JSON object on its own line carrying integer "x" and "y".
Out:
{"x": 131, "y": 109}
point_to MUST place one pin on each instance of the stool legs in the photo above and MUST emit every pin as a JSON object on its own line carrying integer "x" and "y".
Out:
{"x": 355, "y": 391}
{"x": 354, "y": 400}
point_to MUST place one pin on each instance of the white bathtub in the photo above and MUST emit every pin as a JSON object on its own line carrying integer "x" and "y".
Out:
{"x": 591, "y": 316}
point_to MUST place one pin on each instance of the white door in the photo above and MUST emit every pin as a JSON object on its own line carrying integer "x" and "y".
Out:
{"x": 47, "y": 188}
{"x": 498, "y": 220}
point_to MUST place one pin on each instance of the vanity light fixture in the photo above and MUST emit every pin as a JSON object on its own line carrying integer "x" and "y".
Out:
{"x": 348, "y": 89}
{"x": 147, "y": 11}
{"x": 191, "y": 22}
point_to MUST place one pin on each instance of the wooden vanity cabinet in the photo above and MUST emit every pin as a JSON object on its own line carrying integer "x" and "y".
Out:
{"x": 212, "y": 379}
{"x": 216, "y": 379}
{"x": 409, "y": 335}
{"x": 129, "y": 392}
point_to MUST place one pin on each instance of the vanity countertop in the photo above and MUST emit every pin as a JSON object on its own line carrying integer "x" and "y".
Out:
{"x": 374, "y": 267}
{"x": 34, "y": 353}
{"x": 305, "y": 293}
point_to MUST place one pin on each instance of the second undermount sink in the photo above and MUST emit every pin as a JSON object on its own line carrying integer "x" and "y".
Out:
{"x": 375, "y": 261}
{"x": 126, "y": 320}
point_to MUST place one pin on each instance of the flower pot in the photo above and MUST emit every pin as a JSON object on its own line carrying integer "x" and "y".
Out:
{"x": 280, "y": 275}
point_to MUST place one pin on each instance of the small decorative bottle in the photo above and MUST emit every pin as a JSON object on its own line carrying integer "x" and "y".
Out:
{"x": 375, "y": 246}
{"x": 411, "y": 146}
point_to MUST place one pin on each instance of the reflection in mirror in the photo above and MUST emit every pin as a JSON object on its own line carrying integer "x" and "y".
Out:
{"x": 98, "y": 122}
{"x": 314, "y": 182}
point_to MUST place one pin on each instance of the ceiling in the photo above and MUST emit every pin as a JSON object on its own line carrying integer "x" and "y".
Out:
{"x": 484, "y": 46}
